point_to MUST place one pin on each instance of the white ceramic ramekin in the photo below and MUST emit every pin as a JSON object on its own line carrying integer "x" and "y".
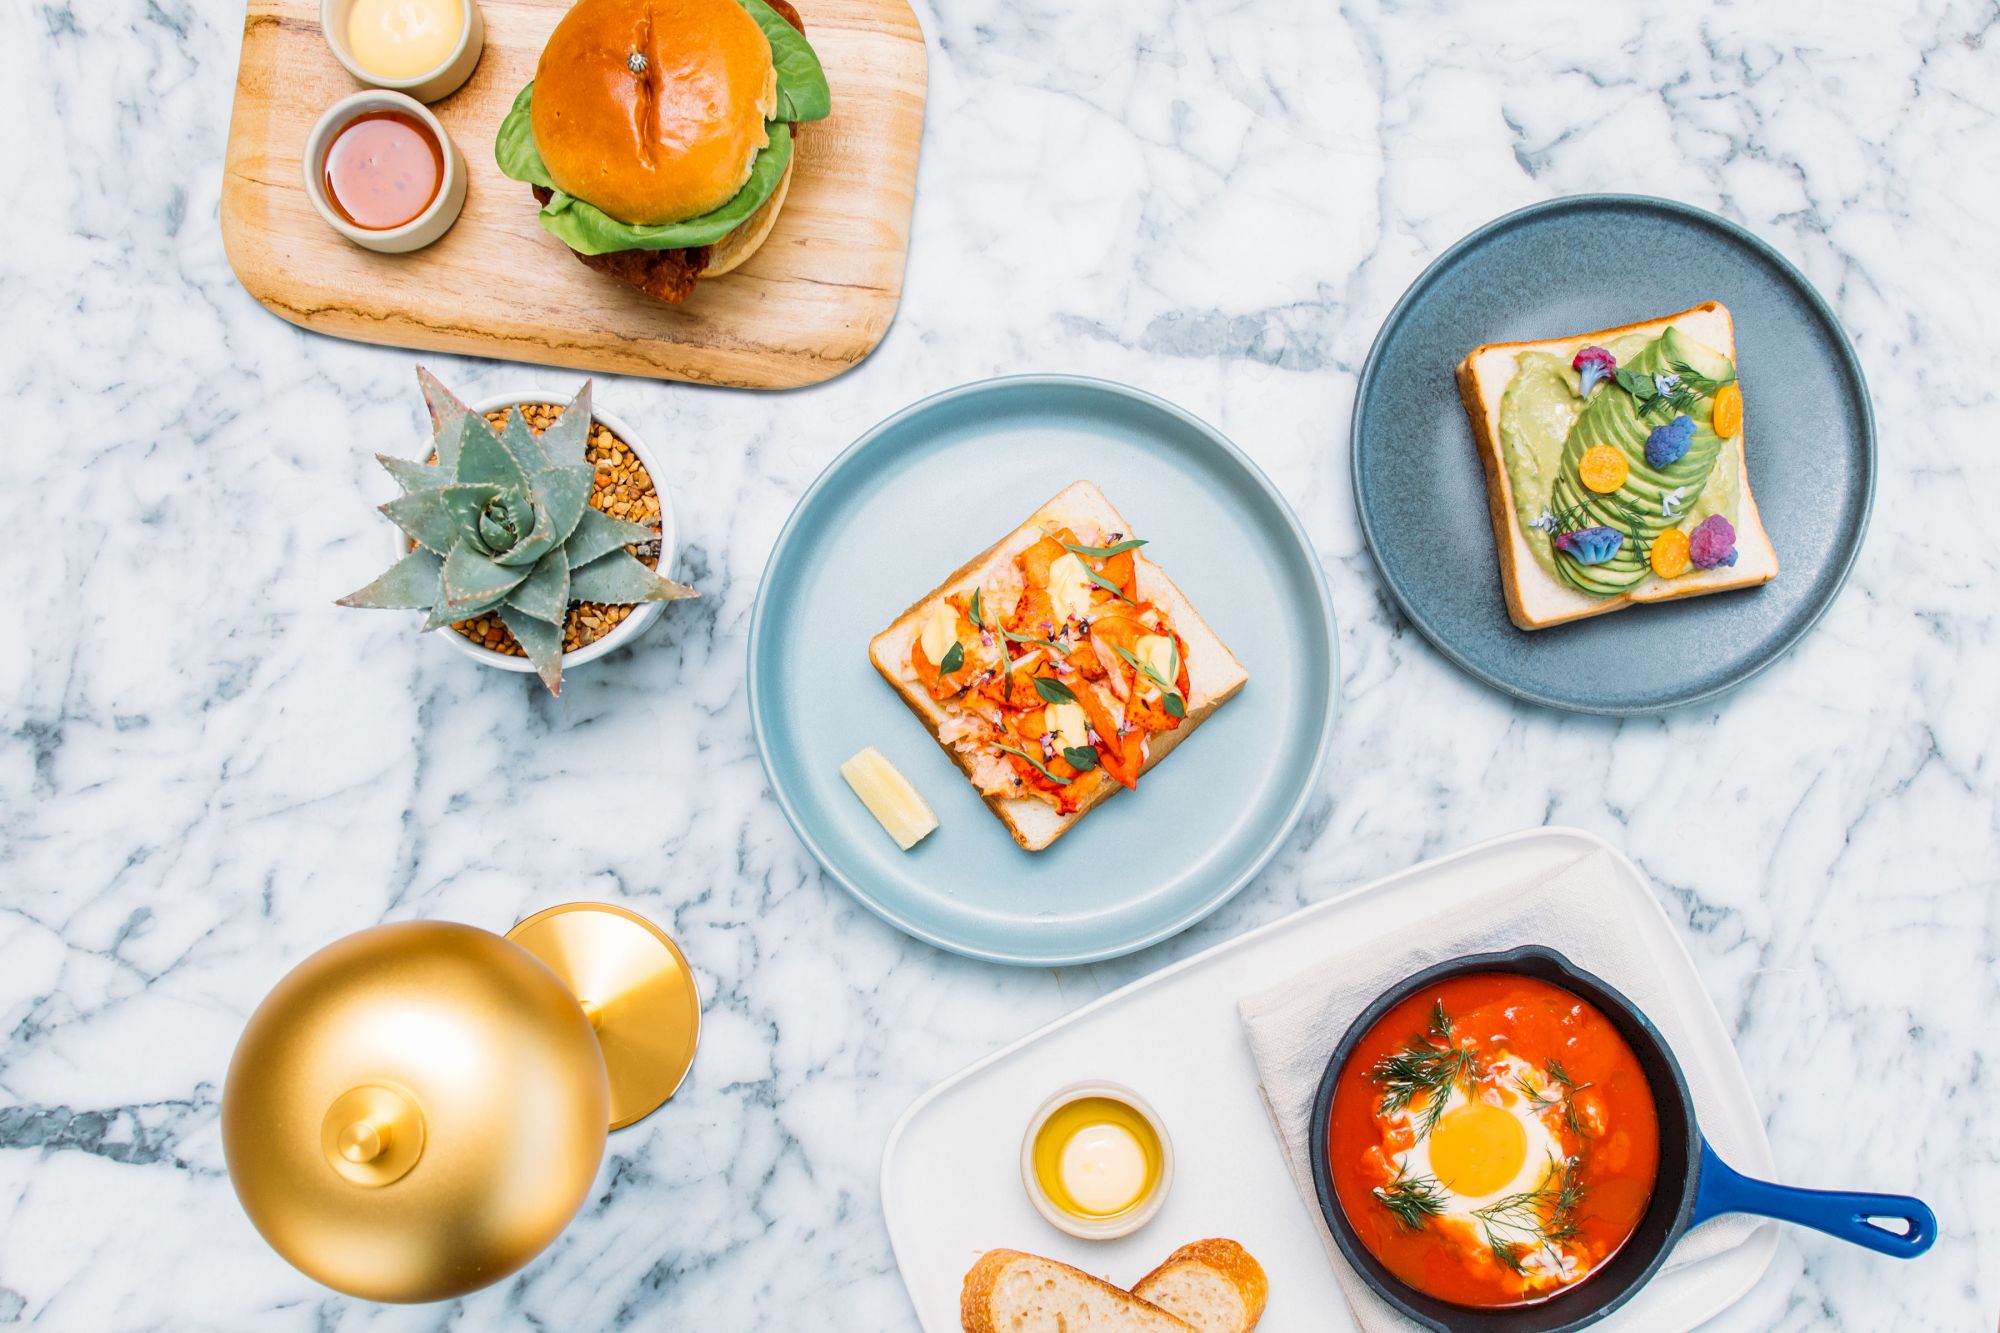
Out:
{"x": 644, "y": 614}
{"x": 430, "y": 86}
{"x": 426, "y": 226}
{"x": 1096, "y": 1228}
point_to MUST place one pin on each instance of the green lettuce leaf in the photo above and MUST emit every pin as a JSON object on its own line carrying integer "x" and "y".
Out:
{"x": 515, "y": 149}
{"x": 589, "y": 230}
{"x": 802, "y": 90}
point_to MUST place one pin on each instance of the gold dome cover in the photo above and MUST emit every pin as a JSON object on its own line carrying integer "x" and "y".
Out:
{"x": 415, "y": 1111}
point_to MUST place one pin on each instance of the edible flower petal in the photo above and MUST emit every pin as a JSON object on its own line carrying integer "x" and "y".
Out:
{"x": 1671, "y": 502}
{"x": 1668, "y": 444}
{"x": 1546, "y": 521}
{"x": 1712, "y": 543}
{"x": 1590, "y": 546}
{"x": 1666, "y": 384}
{"x": 1592, "y": 364}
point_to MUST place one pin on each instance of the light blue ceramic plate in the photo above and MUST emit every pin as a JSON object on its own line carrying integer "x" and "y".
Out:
{"x": 917, "y": 497}
{"x": 1595, "y": 262}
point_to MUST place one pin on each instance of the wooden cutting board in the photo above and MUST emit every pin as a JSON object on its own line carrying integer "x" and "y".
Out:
{"x": 812, "y": 302}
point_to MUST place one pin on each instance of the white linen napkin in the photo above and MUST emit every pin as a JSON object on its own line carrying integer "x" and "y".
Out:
{"x": 1294, "y": 1026}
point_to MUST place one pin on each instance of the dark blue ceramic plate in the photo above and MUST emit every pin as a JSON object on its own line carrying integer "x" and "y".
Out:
{"x": 1596, "y": 262}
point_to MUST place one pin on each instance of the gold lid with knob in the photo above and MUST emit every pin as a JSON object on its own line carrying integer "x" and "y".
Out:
{"x": 417, "y": 1110}
{"x": 635, "y": 988}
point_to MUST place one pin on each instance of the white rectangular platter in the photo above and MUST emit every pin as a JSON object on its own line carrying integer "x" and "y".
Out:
{"x": 951, "y": 1177}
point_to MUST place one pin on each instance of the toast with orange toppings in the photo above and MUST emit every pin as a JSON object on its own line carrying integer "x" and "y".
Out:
{"x": 1058, "y": 665}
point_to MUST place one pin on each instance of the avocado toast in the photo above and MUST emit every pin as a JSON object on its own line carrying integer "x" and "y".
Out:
{"x": 1615, "y": 467}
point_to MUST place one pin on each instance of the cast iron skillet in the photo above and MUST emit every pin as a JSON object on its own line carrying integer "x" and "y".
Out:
{"x": 1693, "y": 1186}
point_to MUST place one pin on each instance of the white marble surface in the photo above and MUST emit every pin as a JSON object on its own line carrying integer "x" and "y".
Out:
{"x": 207, "y": 770}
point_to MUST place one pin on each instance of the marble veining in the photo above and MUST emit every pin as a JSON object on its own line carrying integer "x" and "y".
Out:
{"x": 207, "y": 770}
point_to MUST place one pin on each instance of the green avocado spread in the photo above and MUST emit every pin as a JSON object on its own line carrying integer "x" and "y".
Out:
{"x": 1545, "y": 429}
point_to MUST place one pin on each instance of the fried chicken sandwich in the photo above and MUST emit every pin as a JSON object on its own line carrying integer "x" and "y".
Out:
{"x": 657, "y": 134}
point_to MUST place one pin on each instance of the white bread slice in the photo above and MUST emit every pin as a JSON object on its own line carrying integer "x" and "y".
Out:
{"x": 1535, "y": 600}
{"x": 1011, "y": 1292}
{"x": 1213, "y": 1285}
{"x": 1214, "y": 674}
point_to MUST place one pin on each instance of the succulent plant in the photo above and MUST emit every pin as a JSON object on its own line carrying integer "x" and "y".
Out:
{"x": 502, "y": 522}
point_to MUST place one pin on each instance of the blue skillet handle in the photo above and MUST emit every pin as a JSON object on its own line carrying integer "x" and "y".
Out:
{"x": 1846, "y": 1216}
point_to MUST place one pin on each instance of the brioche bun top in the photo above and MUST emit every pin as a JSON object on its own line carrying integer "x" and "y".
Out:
{"x": 653, "y": 110}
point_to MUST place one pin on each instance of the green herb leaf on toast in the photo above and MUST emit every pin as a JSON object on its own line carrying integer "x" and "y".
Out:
{"x": 1105, "y": 552}
{"x": 1053, "y": 691}
{"x": 1039, "y": 766}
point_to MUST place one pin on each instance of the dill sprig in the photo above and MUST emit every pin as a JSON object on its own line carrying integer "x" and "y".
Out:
{"x": 1428, "y": 1066}
{"x": 1508, "y": 1253}
{"x": 1572, "y": 519}
{"x": 1638, "y": 522}
{"x": 1547, "y": 1096}
{"x": 1536, "y": 1218}
{"x": 1677, "y": 389}
{"x": 1412, "y": 1199}
{"x": 1695, "y": 380}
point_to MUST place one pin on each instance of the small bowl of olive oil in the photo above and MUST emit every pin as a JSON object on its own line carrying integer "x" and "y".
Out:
{"x": 1096, "y": 1161}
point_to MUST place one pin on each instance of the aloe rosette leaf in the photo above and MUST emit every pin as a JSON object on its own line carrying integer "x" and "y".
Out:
{"x": 501, "y": 522}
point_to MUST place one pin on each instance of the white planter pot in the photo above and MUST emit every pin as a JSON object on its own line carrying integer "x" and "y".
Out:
{"x": 642, "y": 615}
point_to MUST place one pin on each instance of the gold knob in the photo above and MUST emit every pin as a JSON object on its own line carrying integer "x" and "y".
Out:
{"x": 363, "y": 1142}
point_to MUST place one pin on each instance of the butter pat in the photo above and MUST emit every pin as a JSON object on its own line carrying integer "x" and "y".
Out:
{"x": 940, "y": 631}
{"x": 897, "y": 806}
{"x": 1068, "y": 723}
{"x": 1157, "y": 652}
{"x": 1069, "y": 588}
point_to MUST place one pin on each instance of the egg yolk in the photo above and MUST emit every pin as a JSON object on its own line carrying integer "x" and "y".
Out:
{"x": 1477, "y": 1148}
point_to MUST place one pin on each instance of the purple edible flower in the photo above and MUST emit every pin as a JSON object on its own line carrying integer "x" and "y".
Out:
{"x": 1668, "y": 444}
{"x": 1666, "y": 383}
{"x": 1590, "y": 546}
{"x": 1593, "y": 364}
{"x": 1712, "y": 543}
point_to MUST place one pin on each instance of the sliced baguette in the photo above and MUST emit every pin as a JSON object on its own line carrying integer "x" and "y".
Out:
{"x": 1214, "y": 674}
{"x": 1212, "y": 1285}
{"x": 1535, "y": 600}
{"x": 1011, "y": 1292}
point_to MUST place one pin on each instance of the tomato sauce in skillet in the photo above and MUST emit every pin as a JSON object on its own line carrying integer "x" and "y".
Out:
{"x": 1493, "y": 1140}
